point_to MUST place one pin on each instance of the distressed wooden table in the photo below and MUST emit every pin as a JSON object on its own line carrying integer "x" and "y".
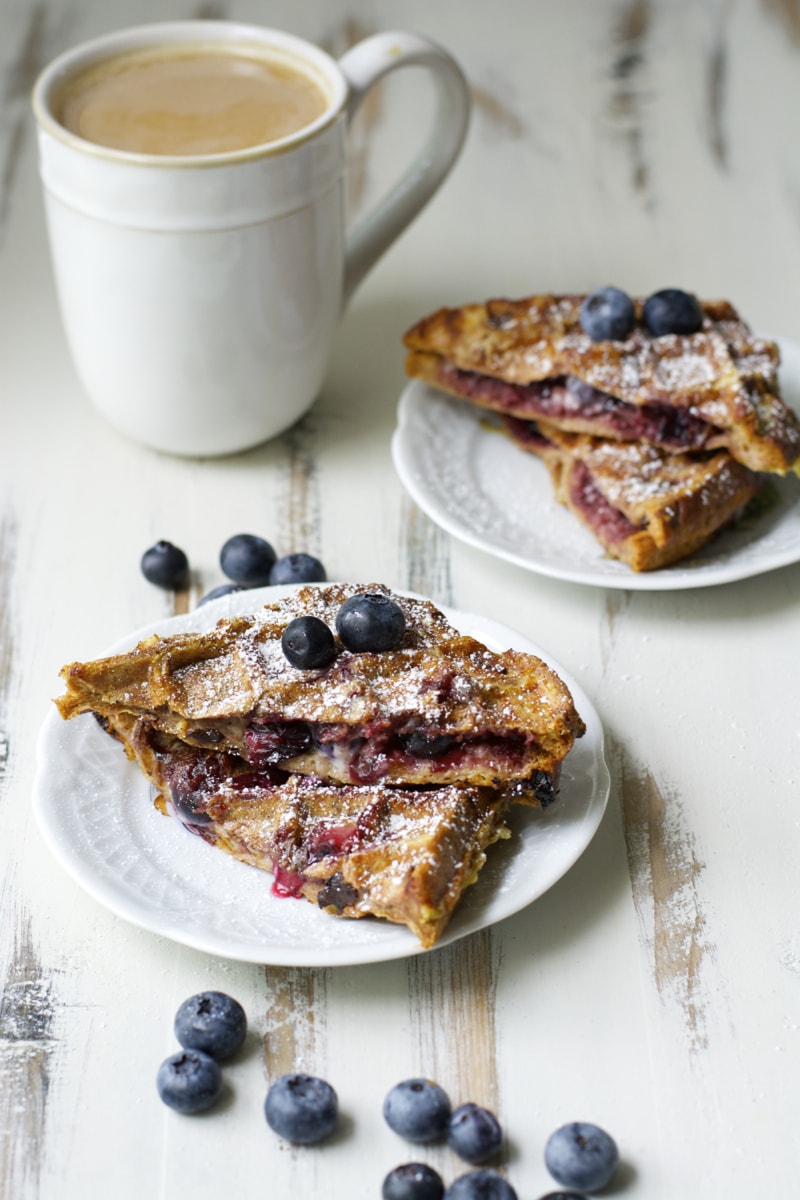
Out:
{"x": 656, "y": 988}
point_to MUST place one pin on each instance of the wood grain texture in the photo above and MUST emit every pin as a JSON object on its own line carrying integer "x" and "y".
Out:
{"x": 299, "y": 515}
{"x": 628, "y": 85}
{"x": 294, "y": 1020}
{"x": 27, "y": 1046}
{"x": 666, "y": 876}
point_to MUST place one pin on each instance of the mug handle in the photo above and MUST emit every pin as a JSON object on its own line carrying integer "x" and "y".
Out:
{"x": 362, "y": 67}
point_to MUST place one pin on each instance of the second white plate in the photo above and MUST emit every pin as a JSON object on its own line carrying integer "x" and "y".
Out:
{"x": 470, "y": 479}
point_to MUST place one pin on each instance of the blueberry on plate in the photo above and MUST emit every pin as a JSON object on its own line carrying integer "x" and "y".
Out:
{"x": 247, "y": 559}
{"x": 608, "y": 315}
{"x": 224, "y": 589}
{"x": 301, "y": 1108}
{"x": 370, "y": 621}
{"x": 474, "y": 1133}
{"x": 580, "y": 1155}
{"x": 189, "y": 1081}
{"x": 165, "y": 565}
{"x": 671, "y": 311}
{"x": 212, "y": 1022}
{"x": 413, "y": 1181}
{"x": 480, "y": 1185}
{"x": 418, "y": 1110}
{"x": 308, "y": 644}
{"x": 297, "y": 568}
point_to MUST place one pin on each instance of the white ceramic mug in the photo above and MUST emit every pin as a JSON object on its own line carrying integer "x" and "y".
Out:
{"x": 200, "y": 295}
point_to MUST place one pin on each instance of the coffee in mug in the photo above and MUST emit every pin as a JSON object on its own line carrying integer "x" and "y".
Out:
{"x": 185, "y": 100}
{"x": 202, "y": 268}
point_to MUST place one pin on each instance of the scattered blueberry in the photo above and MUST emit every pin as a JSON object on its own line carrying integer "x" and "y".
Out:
{"x": 480, "y": 1185}
{"x": 563, "y": 1196}
{"x": 189, "y": 1081}
{"x": 370, "y": 621}
{"x": 247, "y": 559}
{"x": 580, "y": 1155}
{"x": 417, "y": 1109}
{"x": 474, "y": 1133}
{"x": 297, "y": 568}
{"x": 301, "y": 1108}
{"x": 308, "y": 643}
{"x": 165, "y": 565}
{"x": 212, "y": 1022}
{"x": 608, "y": 315}
{"x": 413, "y": 1181}
{"x": 672, "y": 311}
{"x": 224, "y": 589}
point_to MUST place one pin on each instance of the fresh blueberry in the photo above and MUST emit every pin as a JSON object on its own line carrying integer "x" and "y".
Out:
{"x": 370, "y": 621}
{"x": 672, "y": 311}
{"x": 211, "y": 1022}
{"x": 580, "y": 1155}
{"x": 165, "y": 565}
{"x": 301, "y": 1108}
{"x": 189, "y": 1081}
{"x": 474, "y": 1133}
{"x": 608, "y": 315}
{"x": 224, "y": 589}
{"x": 247, "y": 559}
{"x": 417, "y": 1109}
{"x": 413, "y": 1181}
{"x": 480, "y": 1185}
{"x": 563, "y": 1196}
{"x": 297, "y": 568}
{"x": 308, "y": 643}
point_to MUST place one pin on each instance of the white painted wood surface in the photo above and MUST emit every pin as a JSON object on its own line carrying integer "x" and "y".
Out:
{"x": 656, "y": 988}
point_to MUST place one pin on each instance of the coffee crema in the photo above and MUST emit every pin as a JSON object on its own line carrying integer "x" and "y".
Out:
{"x": 185, "y": 100}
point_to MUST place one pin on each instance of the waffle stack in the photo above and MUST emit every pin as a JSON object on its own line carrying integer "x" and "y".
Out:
{"x": 372, "y": 786}
{"x": 654, "y": 443}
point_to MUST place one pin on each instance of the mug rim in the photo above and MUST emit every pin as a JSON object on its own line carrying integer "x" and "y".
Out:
{"x": 141, "y": 37}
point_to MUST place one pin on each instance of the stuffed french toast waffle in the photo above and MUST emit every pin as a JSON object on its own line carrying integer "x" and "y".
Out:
{"x": 402, "y": 854}
{"x": 712, "y": 387}
{"x": 438, "y": 708}
{"x": 647, "y": 508}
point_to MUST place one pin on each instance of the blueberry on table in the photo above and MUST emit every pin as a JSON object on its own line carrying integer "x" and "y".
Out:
{"x": 224, "y": 589}
{"x": 671, "y": 311}
{"x": 474, "y": 1133}
{"x": 189, "y": 1081}
{"x": 297, "y": 568}
{"x": 563, "y": 1196}
{"x": 580, "y": 1155}
{"x": 165, "y": 565}
{"x": 418, "y": 1110}
{"x": 370, "y": 621}
{"x": 480, "y": 1185}
{"x": 308, "y": 644}
{"x": 608, "y": 315}
{"x": 413, "y": 1181}
{"x": 212, "y": 1022}
{"x": 301, "y": 1108}
{"x": 247, "y": 559}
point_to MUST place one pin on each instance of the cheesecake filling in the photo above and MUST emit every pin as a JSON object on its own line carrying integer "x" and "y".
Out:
{"x": 363, "y": 754}
{"x": 564, "y": 398}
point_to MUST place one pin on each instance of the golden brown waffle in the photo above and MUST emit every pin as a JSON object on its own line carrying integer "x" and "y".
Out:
{"x": 400, "y": 854}
{"x": 440, "y": 709}
{"x": 648, "y": 508}
{"x": 530, "y": 358}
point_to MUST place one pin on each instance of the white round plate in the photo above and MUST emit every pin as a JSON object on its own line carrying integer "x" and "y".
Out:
{"x": 96, "y": 812}
{"x": 470, "y": 479}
